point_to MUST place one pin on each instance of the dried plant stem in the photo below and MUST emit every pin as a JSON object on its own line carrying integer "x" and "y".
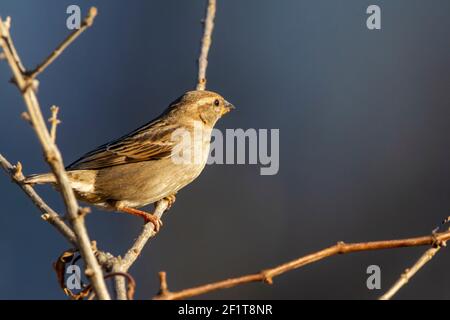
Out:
{"x": 54, "y": 159}
{"x": 206, "y": 44}
{"x": 409, "y": 273}
{"x": 268, "y": 274}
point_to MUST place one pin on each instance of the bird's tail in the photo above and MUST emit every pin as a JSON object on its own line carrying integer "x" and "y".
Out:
{"x": 40, "y": 178}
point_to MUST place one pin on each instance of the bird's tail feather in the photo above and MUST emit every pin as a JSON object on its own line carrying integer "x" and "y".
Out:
{"x": 40, "y": 178}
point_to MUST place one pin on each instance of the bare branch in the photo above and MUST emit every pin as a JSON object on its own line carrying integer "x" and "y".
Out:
{"x": 54, "y": 159}
{"x": 206, "y": 44}
{"x": 409, "y": 273}
{"x": 131, "y": 287}
{"x": 122, "y": 265}
{"x": 10, "y": 44}
{"x": 146, "y": 233}
{"x": 87, "y": 22}
{"x": 120, "y": 286}
{"x": 48, "y": 214}
{"x": 268, "y": 274}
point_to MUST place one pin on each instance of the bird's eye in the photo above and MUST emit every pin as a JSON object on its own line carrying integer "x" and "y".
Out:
{"x": 216, "y": 102}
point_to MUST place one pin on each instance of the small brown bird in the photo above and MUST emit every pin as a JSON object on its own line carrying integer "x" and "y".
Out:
{"x": 151, "y": 163}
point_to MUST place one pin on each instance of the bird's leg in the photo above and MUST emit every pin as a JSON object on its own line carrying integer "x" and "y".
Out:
{"x": 148, "y": 217}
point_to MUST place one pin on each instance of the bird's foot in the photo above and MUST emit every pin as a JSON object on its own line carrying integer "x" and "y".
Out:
{"x": 171, "y": 200}
{"x": 157, "y": 222}
{"x": 148, "y": 217}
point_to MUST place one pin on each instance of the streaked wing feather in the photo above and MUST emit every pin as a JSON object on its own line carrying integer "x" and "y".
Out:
{"x": 150, "y": 142}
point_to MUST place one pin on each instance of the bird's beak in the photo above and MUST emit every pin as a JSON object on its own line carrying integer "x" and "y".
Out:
{"x": 227, "y": 108}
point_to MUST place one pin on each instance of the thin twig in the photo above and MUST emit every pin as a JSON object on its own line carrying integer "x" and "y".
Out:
{"x": 87, "y": 22}
{"x": 206, "y": 44}
{"x": 122, "y": 265}
{"x": 146, "y": 233}
{"x": 409, "y": 273}
{"x": 268, "y": 274}
{"x": 48, "y": 214}
{"x": 54, "y": 121}
{"x": 54, "y": 159}
{"x": 11, "y": 47}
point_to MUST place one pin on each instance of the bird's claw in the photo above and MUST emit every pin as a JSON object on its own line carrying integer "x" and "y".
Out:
{"x": 157, "y": 223}
{"x": 171, "y": 200}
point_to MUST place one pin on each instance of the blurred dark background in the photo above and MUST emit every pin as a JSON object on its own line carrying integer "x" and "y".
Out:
{"x": 364, "y": 139}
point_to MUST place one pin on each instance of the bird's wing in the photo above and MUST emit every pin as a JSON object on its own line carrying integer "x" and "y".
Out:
{"x": 150, "y": 142}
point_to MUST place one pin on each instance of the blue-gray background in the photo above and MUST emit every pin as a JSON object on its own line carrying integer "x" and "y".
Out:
{"x": 364, "y": 150}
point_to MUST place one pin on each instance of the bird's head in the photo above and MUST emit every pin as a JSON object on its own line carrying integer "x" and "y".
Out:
{"x": 201, "y": 105}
